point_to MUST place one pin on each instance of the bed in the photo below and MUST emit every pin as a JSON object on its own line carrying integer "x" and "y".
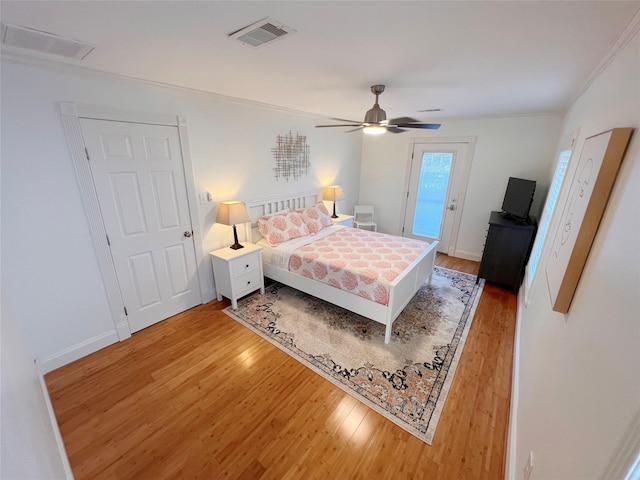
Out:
{"x": 400, "y": 290}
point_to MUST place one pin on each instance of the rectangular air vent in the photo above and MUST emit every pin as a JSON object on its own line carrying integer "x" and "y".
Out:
{"x": 44, "y": 42}
{"x": 260, "y": 33}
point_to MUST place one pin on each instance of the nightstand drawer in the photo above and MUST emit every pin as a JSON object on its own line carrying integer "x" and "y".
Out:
{"x": 244, "y": 265}
{"x": 247, "y": 282}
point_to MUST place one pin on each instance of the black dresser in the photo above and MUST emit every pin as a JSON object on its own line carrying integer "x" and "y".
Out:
{"x": 506, "y": 251}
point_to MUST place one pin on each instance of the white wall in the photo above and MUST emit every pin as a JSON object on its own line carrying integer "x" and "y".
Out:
{"x": 29, "y": 449}
{"x": 505, "y": 147}
{"x": 579, "y": 376}
{"x": 50, "y": 271}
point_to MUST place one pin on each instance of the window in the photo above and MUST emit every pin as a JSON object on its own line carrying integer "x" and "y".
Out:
{"x": 545, "y": 219}
{"x": 634, "y": 471}
{"x": 432, "y": 194}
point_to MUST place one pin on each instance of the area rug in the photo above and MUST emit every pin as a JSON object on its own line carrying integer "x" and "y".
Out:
{"x": 406, "y": 380}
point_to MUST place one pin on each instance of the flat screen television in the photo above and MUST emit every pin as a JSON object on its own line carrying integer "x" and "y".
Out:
{"x": 518, "y": 198}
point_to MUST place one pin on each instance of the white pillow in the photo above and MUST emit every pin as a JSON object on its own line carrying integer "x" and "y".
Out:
{"x": 280, "y": 227}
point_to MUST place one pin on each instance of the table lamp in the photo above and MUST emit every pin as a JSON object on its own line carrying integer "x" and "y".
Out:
{"x": 231, "y": 213}
{"x": 333, "y": 193}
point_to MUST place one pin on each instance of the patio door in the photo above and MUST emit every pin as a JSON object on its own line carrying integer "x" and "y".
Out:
{"x": 437, "y": 182}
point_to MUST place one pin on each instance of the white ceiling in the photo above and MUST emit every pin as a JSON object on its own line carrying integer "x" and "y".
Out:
{"x": 478, "y": 58}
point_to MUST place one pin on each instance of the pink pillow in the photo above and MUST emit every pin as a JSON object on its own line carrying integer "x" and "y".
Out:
{"x": 316, "y": 217}
{"x": 281, "y": 227}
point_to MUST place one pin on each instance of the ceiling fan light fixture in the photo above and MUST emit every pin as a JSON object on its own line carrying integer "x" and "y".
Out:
{"x": 374, "y": 129}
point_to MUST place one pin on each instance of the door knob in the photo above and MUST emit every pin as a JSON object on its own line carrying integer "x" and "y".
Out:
{"x": 187, "y": 234}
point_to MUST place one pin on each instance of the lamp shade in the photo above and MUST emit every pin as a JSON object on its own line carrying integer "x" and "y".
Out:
{"x": 232, "y": 212}
{"x": 333, "y": 193}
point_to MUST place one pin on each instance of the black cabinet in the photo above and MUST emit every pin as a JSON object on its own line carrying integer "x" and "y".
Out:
{"x": 506, "y": 251}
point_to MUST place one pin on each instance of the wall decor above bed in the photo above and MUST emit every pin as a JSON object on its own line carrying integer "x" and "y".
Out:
{"x": 291, "y": 155}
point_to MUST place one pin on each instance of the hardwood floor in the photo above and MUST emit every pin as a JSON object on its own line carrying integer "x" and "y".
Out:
{"x": 200, "y": 396}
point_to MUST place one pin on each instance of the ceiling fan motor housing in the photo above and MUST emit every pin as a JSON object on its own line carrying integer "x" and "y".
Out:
{"x": 375, "y": 115}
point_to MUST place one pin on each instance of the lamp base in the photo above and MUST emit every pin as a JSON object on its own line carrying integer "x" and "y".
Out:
{"x": 236, "y": 245}
{"x": 334, "y": 211}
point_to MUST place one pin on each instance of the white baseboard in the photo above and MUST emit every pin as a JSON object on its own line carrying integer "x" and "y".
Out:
{"x": 207, "y": 295}
{"x": 77, "y": 351}
{"x": 54, "y": 422}
{"x": 476, "y": 257}
{"x": 512, "y": 437}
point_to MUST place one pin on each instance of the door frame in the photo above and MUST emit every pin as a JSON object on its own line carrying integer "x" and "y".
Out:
{"x": 71, "y": 114}
{"x": 466, "y": 169}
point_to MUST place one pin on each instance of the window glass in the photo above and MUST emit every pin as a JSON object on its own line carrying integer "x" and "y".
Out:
{"x": 432, "y": 193}
{"x": 547, "y": 213}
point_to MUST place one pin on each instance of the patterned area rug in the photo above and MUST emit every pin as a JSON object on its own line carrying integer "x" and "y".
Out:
{"x": 407, "y": 380}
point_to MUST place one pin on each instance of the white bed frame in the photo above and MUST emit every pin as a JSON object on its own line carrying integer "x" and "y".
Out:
{"x": 401, "y": 291}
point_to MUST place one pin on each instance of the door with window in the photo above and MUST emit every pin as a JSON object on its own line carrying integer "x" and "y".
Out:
{"x": 139, "y": 179}
{"x": 437, "y": 182}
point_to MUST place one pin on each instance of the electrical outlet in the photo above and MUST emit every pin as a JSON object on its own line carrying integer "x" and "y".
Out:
{"x": 528, "y": 467}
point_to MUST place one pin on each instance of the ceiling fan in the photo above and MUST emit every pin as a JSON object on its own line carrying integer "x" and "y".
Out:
{"x": 375, "y": 120}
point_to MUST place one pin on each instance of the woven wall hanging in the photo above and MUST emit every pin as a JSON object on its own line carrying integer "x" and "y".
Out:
{"x": 292, "y": 156}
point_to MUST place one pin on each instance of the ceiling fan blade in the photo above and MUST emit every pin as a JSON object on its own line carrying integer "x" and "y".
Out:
{"x": 395, "y": 130}
{"x": 355, "y": 129}
{"x": 404, "y": 120}
{"x": 344, "y": 120}
{"x": 340, "y": 125}
{"x": 430, "y": 126}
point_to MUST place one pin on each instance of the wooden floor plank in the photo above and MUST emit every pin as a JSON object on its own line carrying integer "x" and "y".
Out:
{"x": 200, "y": 396}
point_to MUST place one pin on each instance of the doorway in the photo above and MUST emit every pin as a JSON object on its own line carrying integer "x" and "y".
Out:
{"x": 437, "y": 183}
{"x": 139, "y": 179}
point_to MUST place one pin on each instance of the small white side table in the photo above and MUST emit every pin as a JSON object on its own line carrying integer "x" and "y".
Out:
{"x": 237, "y": 272}
{"x": 346, "y": 220}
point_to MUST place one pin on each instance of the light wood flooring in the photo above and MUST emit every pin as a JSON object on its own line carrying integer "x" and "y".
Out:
{"x": 200, "y": 396}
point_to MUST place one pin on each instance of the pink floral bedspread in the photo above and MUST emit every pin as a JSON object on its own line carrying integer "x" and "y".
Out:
{"x": 358, "y": 261}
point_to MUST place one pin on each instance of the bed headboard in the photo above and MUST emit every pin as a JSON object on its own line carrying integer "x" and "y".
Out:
{"x": 267, "y": 206}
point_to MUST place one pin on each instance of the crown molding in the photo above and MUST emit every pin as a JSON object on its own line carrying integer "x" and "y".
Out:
{"x": 624, "y": 39}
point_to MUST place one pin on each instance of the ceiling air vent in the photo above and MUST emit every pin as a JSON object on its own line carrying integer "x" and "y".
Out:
{"x": 43, "y": 42}
{"x": 260, "y": 33}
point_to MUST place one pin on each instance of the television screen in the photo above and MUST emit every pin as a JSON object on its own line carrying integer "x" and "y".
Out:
{"x": 518, "y": 198}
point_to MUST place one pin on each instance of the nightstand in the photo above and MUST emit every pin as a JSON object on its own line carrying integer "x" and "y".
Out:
{"x": 237, "y": 272}
{"x": 346, "y": 220}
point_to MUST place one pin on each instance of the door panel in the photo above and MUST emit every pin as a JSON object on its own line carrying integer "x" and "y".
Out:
{"x": 127, "y": 200}
{"x": 138, "y": 175}
{"x": 157, "y": 148}
{"x": 166, "y": 201}
{"x": 116, "y": 147}
{"x": 145, "y": 279}
{"x": 437, "y": 176}
{"x": 178, "y": 272}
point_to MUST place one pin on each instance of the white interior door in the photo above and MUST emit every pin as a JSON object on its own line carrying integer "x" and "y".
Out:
{"x": 436, "y": 190}
{"x": 139, "y": 179}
